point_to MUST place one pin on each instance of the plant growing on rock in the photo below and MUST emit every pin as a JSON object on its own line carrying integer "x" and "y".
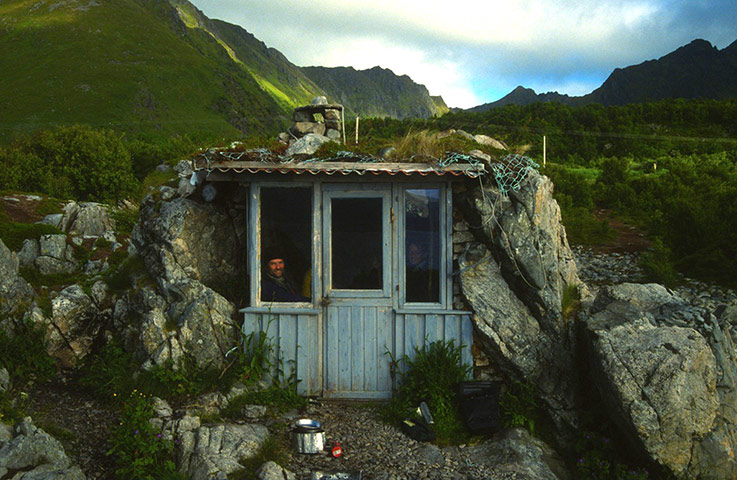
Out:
{"x": 140, "y": 450}
{"x": 432, "y": 376}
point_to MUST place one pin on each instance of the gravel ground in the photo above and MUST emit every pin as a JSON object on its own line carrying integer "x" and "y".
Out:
{"x": 381, "y": 451}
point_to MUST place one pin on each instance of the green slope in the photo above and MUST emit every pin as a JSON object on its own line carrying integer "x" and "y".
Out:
{"x": 377, "y": 92}
{"x": 125, "y": 64}
{"x": 276, "y": 75}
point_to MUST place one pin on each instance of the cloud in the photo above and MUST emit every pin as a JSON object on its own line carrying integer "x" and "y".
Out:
{"x": 469, "y": 49}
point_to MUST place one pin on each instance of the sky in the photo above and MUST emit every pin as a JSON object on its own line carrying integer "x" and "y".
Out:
{"x": 476, "y": 51}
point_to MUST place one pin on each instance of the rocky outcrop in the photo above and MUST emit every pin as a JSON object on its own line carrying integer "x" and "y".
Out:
{"x": 77, "y": 319}
{"x": 667, "y": 373}
{"x": 32, "y": 454}
{"x": 185, "y": 240}
{"x": 515, "y": 452}
{"x": 15, "y": 293}
{"x": 513, "y": 276}
{"x": 188, "y": 248}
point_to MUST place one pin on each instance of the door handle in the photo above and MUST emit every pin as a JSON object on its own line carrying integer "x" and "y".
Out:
{"x": 325, "y": 301}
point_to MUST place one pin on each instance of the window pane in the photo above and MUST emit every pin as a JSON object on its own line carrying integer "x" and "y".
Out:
{"x": 422, "y": 244}
{"x": 286, "y": 244}
{"x": 356, "y": 243}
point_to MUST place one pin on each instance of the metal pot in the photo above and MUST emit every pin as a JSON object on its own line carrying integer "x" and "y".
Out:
{"x": 308, "y": 436}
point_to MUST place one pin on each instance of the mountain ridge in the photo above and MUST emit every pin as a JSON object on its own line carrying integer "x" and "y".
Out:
{"x": 149, "y": 67}
{"x": 695, "y": 70}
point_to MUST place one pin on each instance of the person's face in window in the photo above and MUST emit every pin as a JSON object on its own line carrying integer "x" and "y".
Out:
{"x": 416, "y": 254}
{"x": 276, "y": 267}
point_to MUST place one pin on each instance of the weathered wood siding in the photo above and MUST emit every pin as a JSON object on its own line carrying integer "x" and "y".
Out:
{"x": 348, "y": 356}
{"x": 297, "y": 341}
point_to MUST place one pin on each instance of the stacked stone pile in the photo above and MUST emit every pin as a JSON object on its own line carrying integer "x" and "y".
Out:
{"x": 313, "y": 125}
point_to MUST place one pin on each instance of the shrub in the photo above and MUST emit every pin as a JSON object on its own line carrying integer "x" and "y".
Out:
{"x": 71, "y": 162}
{"x": 432, "y": 376}
{"x": 657, "y": 265}
{"x": 519, "y": 407}
{"x": 23, "y": 353}
{"x": 109, "y": 372}
{"x": 139, "y": 449}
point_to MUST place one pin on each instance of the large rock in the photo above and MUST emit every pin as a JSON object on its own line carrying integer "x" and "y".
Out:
{"x": 34, "y": 454}
{"x": 55, "y": 255}
{"x": 307, "y": 145}
{"x": 514, "y": 278}
{"x": 206, "y": 452}
{"x": 666, "y": 373}
{"x": 15, "y": 292}
{"x": 183, "y": 239}
{"x": 75, "y": 323}
{"x": 86, "y": 219}
{"x": 196, "y": 322}
{"x": 516, "y": 452}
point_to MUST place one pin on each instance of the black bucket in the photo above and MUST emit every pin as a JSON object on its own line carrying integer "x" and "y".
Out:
{"x": 479, "y": 403}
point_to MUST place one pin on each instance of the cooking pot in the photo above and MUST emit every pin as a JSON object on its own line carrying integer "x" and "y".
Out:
{"x": 308, "y": 436}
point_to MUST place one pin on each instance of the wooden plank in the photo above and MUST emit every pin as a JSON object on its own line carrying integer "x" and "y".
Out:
{"x": 385, "y": 334}
{"x": 287, "y": 344}
{"x": 371, "y": 350}
{"x": 357, "y": 348}
{"x": 332, "y": 355}
{"x": 467, "y": 338}
{"x": 434, "y": 330}
{"x": 344, "y": 348}
{"x": 452, "y": 328}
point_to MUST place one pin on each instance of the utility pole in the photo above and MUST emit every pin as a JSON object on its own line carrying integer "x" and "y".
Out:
{"x": 544, "y": 150}
{"x": 357, "y": 119}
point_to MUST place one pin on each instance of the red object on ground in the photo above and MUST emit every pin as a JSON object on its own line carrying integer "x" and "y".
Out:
{"x": 337, "y": 450}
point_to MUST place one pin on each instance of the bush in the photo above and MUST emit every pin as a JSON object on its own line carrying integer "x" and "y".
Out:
{"x": 139, "y": 449}
{"x": 519, "y": 407}
{"x": 657, "y": 265}
{"x": 23, "y": 353}
{"x": 432, "y": 376}
{"x": 71, "y": 162}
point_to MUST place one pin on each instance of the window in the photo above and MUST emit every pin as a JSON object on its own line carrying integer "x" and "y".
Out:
{"x": 286, "y": 244}
{"x": 422, "y": 245}
{"x": 357, "y": 246}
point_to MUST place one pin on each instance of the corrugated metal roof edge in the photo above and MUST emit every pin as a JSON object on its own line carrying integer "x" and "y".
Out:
{"x": 344, "y": 168}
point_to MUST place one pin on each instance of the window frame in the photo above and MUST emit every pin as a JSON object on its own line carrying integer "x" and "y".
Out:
{"x": 254, "y": 245}
{"x": 374, "y": 190}
{"x": 446, "y": 247}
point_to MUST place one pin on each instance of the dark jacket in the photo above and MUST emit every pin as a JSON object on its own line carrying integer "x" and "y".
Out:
{"x": 273, "y": 290}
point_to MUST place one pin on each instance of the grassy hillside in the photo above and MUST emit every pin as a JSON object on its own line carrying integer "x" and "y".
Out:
{"x": 377, "y": 92}
{"x": 129, "y": 65}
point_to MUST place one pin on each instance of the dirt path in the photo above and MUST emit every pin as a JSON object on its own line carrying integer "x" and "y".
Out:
{"x": 629, "y": 238}
{"x": 81, "y": 423}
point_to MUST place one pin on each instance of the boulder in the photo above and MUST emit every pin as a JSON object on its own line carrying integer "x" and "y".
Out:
{"x": 670, "y": 387}
{"x": 307, "y": 145}
{"x": 55, "y": 255}
{"x": 15, "y": 292}
{"x": 195, "y": 321}
{"x": 36, "y": 455}
{"x": 300, "y": 129}
{"x": 86, "y": 219}
{"x": 273, "y": 471}
{"x": 491, "y": 142}
{"x": 513, "y": 278}
{"x": 182, "y": 239}
{"x": 4, "y": 379}
{"x": 207, "y": 452}
{"x": 515, "y": 452}
{"x": 74, "y": 325}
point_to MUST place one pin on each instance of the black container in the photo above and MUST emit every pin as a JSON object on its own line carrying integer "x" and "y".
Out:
{"x": 479, "y": 403}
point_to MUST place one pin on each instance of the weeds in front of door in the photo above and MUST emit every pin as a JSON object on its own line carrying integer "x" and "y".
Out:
{"x": 431, "y": 375}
